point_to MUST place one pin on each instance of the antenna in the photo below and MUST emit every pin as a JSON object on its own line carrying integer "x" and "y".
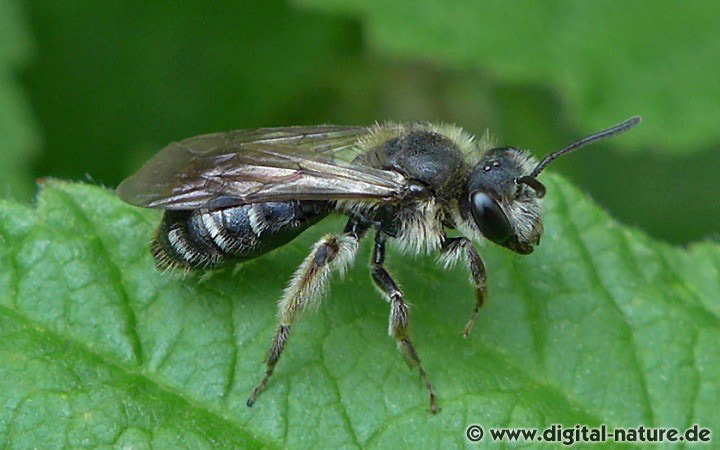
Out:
{"x": 606, "y": 133}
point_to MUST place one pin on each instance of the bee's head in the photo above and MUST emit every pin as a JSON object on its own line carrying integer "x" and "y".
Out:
{"x": 503, "y": 192}
{"x": 506, "y": 211}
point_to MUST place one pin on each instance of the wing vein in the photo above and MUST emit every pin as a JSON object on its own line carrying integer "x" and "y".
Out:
{"x": 261, "y": 165}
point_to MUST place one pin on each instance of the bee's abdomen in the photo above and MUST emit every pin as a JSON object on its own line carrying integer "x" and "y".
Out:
{"x": 212, "y": 238}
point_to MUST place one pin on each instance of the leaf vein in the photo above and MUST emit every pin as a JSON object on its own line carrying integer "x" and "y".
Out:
{"x": 41, "y": 329}
{"x": 591, "y": 270}
{"x": 132, "y": 328}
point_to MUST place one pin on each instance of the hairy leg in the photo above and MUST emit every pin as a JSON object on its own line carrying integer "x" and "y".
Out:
{"x": 452, "y": 249}
{"x": 305, "y": 291}
{"x": 399, "y": 315}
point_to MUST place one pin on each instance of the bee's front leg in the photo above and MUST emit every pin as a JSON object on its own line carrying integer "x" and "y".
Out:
{"x": 452, "y": 248}
{"x": 399, "y": 315}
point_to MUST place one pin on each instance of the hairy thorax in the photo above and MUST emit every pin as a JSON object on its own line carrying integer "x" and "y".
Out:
{"x": 426, "y": 155}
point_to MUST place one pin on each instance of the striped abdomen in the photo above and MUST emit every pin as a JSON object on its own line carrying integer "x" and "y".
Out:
{"x": 211, "y": 238}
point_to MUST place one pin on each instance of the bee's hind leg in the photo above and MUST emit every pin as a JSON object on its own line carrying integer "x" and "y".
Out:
{"x": 305, "y": 290}
{"x": 399, "y": 315}
{"x": 451, "y": 249}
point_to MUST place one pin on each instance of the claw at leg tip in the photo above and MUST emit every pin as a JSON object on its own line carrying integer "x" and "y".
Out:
{"x": 252, "y": 398}
{"x": 467, "y": 330}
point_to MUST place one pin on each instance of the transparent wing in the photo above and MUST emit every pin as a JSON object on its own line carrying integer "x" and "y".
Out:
{"x": 266, "y": 164}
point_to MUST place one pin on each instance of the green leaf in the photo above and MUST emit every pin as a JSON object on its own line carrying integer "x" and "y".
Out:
{"x": 607, "y": 59}
{"x": 18, "y": 137}
{"x": 600, "y": 325}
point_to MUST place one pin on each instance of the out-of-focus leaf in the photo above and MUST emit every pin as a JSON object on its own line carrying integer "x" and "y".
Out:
{"x": 114, "y": 83}
{"x": 600, "y": 325}
{"x": 607, "y": 59}
{"x": 18, "y": 137}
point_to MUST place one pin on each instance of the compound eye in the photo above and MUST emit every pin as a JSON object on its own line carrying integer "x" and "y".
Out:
{"x": 490, "y": 218}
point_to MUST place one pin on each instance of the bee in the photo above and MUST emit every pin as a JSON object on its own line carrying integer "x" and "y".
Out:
{"x": 233, "y": 196}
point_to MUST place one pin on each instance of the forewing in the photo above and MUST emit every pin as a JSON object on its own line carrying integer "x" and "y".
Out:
{"x": 269, "y": 164}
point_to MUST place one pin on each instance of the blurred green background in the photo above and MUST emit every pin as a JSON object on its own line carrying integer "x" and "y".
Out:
{"x": 89, "y": 90}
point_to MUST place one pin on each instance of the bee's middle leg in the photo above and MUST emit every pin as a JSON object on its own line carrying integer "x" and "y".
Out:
{"x": 399, "y": 314}
{"x": 305, "y": 290}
